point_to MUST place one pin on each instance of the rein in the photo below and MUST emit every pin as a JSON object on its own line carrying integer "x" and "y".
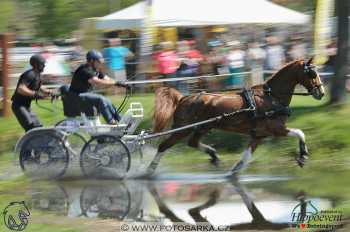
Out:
{"x": 268, "y": 90}
{"x": 302, "y": 94}
{"x": 122, "y": 105}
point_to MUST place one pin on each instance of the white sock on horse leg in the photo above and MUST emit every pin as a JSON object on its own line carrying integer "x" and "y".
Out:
{"x": 242, "y": 163}
{"x": 297, "y": 133}
{"x": 247, "y": 155}
{"x": 155, "y": 161}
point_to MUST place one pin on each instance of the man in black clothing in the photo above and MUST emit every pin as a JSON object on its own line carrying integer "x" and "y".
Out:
{"x": 90, "y": 74}
{"x": 29, "y": 88}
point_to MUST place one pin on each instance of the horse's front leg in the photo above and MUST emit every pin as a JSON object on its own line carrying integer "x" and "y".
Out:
{"x": 303, "y": 151}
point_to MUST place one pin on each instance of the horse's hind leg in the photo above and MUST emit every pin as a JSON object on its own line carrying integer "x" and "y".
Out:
{"x": 247, "y": 154}
{"x": 194, "y": 142}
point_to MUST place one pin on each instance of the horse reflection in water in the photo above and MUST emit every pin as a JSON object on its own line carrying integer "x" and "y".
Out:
{"x": 258, "y": 222}
{"x": 131, "y": 201}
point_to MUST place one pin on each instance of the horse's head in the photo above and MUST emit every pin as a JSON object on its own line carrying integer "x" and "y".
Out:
{"x": 311, "y": 80}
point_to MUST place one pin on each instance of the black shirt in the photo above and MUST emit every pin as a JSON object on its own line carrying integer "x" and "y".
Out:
{"x": 30, "y": 79}
{"x": 80, "y": 81}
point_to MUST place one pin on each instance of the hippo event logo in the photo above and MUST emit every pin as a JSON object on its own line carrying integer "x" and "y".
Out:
{"x": 306, "y": 216}
{"x": 16, "y": 216}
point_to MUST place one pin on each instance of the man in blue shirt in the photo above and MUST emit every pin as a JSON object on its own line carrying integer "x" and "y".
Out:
{"x": 115, "y": 56}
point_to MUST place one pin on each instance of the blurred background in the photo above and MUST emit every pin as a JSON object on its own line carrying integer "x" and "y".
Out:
{"x": 224, "y": 38}
{"x": 214, "y": 46}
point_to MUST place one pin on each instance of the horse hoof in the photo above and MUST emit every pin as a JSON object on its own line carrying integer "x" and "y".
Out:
{"x": 215, "y": 162}
{"x": 304, "y": 152}
{"x": 300, "y": 161}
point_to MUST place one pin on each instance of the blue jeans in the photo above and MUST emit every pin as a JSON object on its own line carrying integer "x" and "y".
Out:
{"x": 102, "y": 104}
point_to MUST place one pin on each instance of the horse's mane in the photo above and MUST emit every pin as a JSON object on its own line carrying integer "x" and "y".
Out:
{"x": 282, "y": 71}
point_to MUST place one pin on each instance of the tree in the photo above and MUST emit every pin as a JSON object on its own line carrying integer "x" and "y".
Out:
{"x": 341, "y": 67}
{"x": 59, "y": 18}
{"x": 7, "y": 10}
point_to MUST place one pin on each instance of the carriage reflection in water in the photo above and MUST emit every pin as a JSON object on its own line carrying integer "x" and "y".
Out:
{"x": 102, "y": 150}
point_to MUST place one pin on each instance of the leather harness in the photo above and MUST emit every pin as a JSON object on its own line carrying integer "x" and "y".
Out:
{"x": 277, "y": 108}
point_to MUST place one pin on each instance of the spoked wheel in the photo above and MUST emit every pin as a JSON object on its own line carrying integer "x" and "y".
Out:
{"x": 44, "y": 155}
{"x": 75, "y": 141}
{"x": 112, "y": 201}
{"x": 105, "y": 157}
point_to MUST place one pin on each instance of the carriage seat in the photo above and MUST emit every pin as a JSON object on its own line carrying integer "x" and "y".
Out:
{"x": 73, "y": 105}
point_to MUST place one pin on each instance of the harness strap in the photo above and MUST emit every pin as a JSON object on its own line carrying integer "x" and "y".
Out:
{"x": 276, "y": 108}
{"x": 249, "y": 97}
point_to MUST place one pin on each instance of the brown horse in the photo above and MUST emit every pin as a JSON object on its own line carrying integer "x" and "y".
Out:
{"x": 271, "y": 101}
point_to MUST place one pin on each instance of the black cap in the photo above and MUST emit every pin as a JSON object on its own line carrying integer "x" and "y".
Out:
{"x": 94, "y": 55}
{"x": 37, "y": 60}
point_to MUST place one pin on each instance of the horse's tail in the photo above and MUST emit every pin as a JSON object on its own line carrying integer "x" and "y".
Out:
{"x": 167, "y": 99}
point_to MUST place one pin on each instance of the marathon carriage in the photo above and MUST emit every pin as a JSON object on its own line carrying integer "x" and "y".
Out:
{"x": 106, "y": 150}
{"x": 103, "y": 151}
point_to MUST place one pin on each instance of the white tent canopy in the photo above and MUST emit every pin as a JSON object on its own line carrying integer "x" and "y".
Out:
{"x": 166, "y": 13}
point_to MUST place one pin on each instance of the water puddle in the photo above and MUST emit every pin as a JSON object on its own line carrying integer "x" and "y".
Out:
{"x": 259, "y": 202}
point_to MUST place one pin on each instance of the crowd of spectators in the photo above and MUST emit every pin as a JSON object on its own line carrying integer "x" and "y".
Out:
{"x": 231, "y": 59}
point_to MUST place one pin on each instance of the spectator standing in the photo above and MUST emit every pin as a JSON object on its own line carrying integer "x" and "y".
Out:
{"x": 216, "y": 58}
{"x": 195, "y": 56}
{"x": 190, "y": 59}
{"x": 167, "y": 61}
{"x": 297, "y": 50}
{"x": 275, "y": 57}
{"x": 236, "y": 62}
{"x": 115, "y": 56}
{"x": 255, "y": 60}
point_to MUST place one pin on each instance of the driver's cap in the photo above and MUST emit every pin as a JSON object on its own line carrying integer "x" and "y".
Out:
{"x": 37, "y": 60}
{"x": 94, "y": 55}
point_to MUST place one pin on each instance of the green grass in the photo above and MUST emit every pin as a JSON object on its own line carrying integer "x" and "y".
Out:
{"x": 15, "y": 190}
{"x": 326, "y": 174}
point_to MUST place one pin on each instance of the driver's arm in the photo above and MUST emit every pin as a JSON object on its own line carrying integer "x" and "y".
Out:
{"x": 25, "y": 91}
{"x": 45, "y": 90}
{"x": 102, "y": 82}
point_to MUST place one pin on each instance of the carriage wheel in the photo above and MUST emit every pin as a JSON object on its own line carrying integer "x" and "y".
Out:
{"x": 75, "y": 140}
{"x": 110, "y": 201}
{"x": 105, "y": 156}
{"x": 44, "y": 155}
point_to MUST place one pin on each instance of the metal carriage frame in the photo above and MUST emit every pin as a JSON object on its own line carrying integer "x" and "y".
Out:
{"x": 104, "y": 151}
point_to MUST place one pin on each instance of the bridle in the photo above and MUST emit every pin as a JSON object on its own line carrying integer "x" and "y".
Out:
{"x": 310, "y": 70}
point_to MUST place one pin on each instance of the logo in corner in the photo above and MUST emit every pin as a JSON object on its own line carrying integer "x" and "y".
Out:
{"x": 16, "y": 216}
{"x": 306, "y": 216}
